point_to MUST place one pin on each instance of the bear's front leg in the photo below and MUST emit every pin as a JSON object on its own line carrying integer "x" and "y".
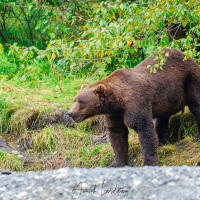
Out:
{"x": 142, "y": 123}
{"x": 118, "y": 134}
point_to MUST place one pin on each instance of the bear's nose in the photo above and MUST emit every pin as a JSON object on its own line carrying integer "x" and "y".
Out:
{"x": 70, "y": 113}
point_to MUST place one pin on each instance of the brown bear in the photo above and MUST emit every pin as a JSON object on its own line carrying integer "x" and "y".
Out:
{"x": 132, "y": 98}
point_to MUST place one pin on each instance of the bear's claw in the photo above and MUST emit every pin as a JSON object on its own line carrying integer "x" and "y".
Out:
{"x": 115, "y": 164}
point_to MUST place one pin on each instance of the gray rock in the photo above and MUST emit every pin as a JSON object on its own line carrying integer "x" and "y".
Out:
{"x": 4, "y": 145}
{"x": 143, "y": 183}
{"x": 6, "y": 172}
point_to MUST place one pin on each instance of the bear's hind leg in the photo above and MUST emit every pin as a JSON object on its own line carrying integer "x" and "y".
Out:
{"x": 193, "y": 100}
{"x": 161, "y": 125}
{"x": 142, "y": 122}
{"x": 148, "y": 141}
{"x": 118, "y": 134}
{"x": 196, "y": 113}
{"x": 143, "y": 125}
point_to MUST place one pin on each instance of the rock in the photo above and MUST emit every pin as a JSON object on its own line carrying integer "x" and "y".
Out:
{"x": 4, "y": 145}
{"x": 99, "y": 139}
{"x": 6, "y": 172}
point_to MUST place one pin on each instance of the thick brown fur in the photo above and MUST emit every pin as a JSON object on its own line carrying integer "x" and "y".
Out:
{"x": 132, "y": 98}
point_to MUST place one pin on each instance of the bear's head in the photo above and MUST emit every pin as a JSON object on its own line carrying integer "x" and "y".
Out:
{"x": 88, "y": 102}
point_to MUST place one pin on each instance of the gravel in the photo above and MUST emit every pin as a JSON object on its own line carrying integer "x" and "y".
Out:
{"x": 159, "y": 183}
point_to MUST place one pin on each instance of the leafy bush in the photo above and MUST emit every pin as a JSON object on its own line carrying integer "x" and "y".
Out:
{"x": 35, "y": 23}
{"x": 7, "y": 68}
{"x": 120, "y": 35}
{"x": 114, "y": 35}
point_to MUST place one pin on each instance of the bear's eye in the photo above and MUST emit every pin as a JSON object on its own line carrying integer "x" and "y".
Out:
{"x": 81, "y": 104}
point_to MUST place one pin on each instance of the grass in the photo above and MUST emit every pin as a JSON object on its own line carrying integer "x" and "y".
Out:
{"x": 184, "y": 152}
{"x": 21, "y": 109}
{"x": 46, "y": 140}
{"x": 24, "y": 102}
{"x": 181, "y": 126}
{"x": 9, "y": 161}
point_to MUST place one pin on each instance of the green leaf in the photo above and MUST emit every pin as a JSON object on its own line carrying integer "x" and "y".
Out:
{"x": 156, "y": 58}
{"x": 99, "y": 63}
{"x": 184, "y": 24}
{"x": 78, "y": 54}
{"x": 154, "y": 70}
{"x": 148, "y": 66}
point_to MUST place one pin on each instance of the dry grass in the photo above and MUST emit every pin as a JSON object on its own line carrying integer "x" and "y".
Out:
{"x": 57, "y": 146}
{"x": 31, "y": 118}
{"x": 184, "y": 152}
{"x": 181, "y": 126}
{"x": 24, "y": 119}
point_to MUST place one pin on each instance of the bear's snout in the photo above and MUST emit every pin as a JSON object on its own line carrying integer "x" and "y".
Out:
{"x": 70, "y": 113}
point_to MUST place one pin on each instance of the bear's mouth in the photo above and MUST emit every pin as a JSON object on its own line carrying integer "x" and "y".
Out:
{"x": 79, "y": 118}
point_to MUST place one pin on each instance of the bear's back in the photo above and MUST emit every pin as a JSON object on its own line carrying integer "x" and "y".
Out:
{"x": 175, "y": 67}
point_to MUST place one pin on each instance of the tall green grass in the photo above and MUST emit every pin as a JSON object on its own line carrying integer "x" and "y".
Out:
{"x": 4, "y": 114}
{"x": 7, "y": 68}
{"x": 9, "y": 161}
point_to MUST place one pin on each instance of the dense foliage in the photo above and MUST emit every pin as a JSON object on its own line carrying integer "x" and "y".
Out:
{"x": 70, "y": 37}
{"x": 35, "y": 23}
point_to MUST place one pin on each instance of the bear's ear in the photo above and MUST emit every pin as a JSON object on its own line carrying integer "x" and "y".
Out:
{"x": 100, "y": 89}
{"x": 83, "y": 86}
